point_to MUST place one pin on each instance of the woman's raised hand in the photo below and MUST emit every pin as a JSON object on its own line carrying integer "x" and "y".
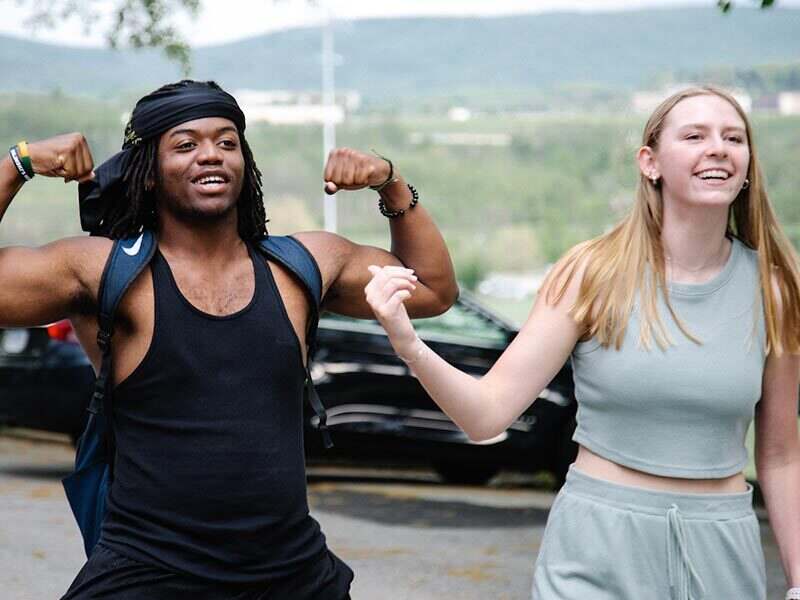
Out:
{"x": 386, "y": 293}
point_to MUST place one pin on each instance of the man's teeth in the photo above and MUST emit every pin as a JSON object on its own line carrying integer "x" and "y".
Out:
{"x": 205, "y": 180}
{"x": 713, "y": 174}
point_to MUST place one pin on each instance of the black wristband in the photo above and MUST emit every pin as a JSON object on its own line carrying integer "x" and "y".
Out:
{"x": 390, "y": 179}
{"x": 13, "y": 152}
{"x": 391, "y": 214}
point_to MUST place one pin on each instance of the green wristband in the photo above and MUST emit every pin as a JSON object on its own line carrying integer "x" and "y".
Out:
{"x": 13, "y": 152}
{"x": 25, "y": 158}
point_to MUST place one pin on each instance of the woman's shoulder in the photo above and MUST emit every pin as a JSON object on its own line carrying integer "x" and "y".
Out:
{"x": 746, "y": 259}
{"x": 748, "y": 253}
{"x": 569, "y": 269}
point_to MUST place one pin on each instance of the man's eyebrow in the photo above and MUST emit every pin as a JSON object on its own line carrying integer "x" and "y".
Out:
{"x": 189, "y": 131}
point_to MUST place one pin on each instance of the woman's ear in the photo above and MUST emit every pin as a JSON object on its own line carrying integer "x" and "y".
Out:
{"x": 646, "y": 158}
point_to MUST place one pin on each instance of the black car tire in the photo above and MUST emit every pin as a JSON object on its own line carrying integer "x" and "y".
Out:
{"x": 465, "y": 473}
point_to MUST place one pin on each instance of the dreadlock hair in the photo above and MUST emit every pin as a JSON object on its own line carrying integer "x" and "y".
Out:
{"x": 136, "y": 209}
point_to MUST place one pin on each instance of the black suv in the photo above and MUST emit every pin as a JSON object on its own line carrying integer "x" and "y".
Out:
{"x": 377, "y": 411}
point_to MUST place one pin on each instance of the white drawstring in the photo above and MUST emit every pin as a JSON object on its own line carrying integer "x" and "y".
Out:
{"x": 676, "y": 537}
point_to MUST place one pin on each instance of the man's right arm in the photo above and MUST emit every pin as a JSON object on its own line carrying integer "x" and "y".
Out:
{"x": 42, "y": 285}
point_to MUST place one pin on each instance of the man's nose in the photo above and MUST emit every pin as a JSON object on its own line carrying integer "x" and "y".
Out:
{"x": 209, "y": 152}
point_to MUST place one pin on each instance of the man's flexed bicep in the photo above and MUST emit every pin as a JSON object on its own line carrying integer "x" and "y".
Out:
{"x": 416, "y": 242}
{"x": 345, "y": 271}
{"x": 42, "y": 285}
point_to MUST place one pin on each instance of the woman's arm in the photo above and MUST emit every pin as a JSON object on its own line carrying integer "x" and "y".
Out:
{"x": 484, "y": 407}
{"x": 778, "y": 457}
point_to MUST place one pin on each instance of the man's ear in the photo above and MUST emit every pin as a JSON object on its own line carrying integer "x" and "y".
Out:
{"x": 648, "y": 165}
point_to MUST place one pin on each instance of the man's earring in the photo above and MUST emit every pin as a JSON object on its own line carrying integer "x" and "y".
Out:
{"x": 746, "y": 184}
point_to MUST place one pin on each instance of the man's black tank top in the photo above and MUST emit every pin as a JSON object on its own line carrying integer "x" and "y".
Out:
{"x": 209, "y": 476}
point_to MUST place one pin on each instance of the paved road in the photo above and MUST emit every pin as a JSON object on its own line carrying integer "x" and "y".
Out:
{"x": 406, "y": 535}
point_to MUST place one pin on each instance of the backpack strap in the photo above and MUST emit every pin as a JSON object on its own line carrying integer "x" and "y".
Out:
{"x": 290, "y": 253}
{"x": 126, "y": 261}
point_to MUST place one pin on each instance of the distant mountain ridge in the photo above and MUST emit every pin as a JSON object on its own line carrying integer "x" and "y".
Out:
{"x": 417, "y": 56}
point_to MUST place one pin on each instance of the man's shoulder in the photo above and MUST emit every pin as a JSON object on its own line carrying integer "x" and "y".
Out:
{"x": 329, "y": 250}
{"x": 82, "y": 251}
{"x": 77, "y": 264}
{"x": 319, "y": 242}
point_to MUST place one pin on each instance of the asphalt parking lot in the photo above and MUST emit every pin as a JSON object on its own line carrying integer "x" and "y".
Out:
{"x": 405, "y": 534}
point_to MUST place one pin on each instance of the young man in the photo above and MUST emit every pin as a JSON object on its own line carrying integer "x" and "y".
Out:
{"x": 209, "y": 495}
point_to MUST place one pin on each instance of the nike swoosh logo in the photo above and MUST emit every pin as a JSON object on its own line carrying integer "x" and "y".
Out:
{"x": 134, "y": 249}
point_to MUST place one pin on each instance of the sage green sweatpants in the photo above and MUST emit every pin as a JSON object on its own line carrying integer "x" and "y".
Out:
{"x": 605, "y": 541}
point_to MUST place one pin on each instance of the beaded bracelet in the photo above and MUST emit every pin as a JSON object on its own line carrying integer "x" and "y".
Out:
{"x": 22, "y": 160}
{"x": 391, "y": 214}
{"x": 793, "y": 594}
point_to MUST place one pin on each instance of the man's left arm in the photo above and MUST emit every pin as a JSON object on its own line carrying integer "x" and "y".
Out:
{"x": 416, "y": 242}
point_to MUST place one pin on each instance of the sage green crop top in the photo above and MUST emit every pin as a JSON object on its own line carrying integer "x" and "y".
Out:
{"x": 684, "y": 411}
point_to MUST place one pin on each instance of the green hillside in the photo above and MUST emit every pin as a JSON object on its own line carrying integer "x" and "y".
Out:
{"x": 561, "y": 179}
{"x": 405, "y": 58}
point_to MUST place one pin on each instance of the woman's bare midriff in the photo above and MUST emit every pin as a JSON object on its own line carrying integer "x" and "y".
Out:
{"x": 598, "y": 467}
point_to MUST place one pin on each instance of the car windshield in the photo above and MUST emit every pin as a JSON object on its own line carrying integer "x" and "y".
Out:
{"x": 457, "y": 324}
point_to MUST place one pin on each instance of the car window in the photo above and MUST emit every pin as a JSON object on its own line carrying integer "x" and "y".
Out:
{"x": 458, "y": 323}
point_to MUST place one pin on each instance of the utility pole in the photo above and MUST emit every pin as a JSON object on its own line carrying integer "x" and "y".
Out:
{"x": 328, "y": 112}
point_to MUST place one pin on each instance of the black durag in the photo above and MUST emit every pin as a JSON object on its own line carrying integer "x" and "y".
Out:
{"x": 153, "y": 115}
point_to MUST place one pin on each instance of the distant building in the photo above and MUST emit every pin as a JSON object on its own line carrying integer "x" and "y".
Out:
{"x": 645, "y": 102}
{"x": 461, "y": 139}
{"x": 459, "y": 114}
{"x": 789, "y": 103}
{"x": 514, "y": 286}
{"x": 282, "y": 107}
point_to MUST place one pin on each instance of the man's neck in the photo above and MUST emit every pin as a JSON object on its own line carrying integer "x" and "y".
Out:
{"x": 207, "y": 244}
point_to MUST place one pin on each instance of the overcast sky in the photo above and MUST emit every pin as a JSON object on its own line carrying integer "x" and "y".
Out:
{"x": 230, "y": 20}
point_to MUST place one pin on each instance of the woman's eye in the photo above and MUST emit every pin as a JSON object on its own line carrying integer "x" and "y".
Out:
{"x": 228, "y": 143}
{"x": 186, "y": 146}
{"x": 693, "y": 136}
{"x": 736, "y": 139}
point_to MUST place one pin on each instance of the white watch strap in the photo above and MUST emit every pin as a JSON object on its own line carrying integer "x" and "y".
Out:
{"x": 793, "y": 594}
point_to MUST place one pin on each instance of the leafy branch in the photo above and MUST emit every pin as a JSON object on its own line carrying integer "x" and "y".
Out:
{"x": 134, "y": 23}
{"x": 727, "y": 5}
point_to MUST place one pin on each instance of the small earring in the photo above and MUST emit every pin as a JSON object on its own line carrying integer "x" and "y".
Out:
{"x": 746, "y": 184}
{"x": 654, "y": 179}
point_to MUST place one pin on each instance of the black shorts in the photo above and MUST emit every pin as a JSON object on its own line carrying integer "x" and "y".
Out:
{"x": 108, "y": 575}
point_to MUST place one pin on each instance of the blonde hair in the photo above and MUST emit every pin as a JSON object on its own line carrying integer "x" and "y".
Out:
{"x": 615, "y": 265}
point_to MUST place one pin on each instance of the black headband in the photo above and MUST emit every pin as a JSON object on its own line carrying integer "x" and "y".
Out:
{"x": 153, "y": 115}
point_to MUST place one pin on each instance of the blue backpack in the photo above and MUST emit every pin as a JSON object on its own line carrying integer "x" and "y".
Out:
{"x": 88, "y": 485}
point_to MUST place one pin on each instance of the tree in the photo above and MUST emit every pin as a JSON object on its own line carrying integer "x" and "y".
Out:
{"x": 134, "y": 23}
{"x": 727, "y": 5}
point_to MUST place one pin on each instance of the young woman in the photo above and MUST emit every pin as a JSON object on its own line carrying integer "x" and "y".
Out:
{"x": 682, "y": 323}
